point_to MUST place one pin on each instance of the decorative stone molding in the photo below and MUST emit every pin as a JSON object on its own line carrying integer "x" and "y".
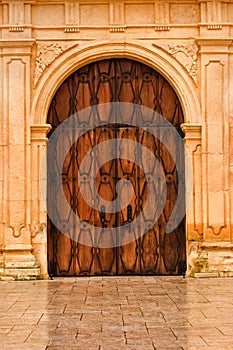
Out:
{"x": 169, "y": 67}
{"x": 39, "y": 132}
{"x": 71, "y": 29}
{"x": 23, "y": 44}
{"x": 71, "y": 17}
{"x": 162, "y": 28}
{"x": 117, "y": 29}
{"x": 186, "y": 54}
{"x": 214, "y": 27}
{"x": 192, "y": 131}
{"x": 214, "y": 46}
{"x": 17, "y": 230}
{"x": 16, "y": 29}
{"x": 47, "y": 53}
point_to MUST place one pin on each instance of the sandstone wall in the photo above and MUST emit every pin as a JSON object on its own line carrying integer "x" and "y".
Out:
{"x": 189, "y": 42}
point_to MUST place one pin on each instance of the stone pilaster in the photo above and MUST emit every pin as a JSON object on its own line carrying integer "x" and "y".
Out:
{"x": 38, "y": 199}
{"x": 193, "y": 168}
{"x": 214, "y": 99}
{"x": 18, "y": 260}
{"x": 194, "y": 192}
{"x": 211, "y": 253}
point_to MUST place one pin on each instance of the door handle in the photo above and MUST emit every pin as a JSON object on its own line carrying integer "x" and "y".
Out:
{"x": 102, "y": 214}
{"x": 129, "y": 213}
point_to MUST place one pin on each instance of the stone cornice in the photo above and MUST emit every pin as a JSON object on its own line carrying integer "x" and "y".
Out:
{"x": 16, "y": 43}
{"x": 214, "y": 41}
{"x": 200, "y": 1}
{"x": 24, "y": 1}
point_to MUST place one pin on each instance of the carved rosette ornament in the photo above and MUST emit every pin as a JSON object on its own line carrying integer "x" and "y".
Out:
{"x": 46, "y": 54}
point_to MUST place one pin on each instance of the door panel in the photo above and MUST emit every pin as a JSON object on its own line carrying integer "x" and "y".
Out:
{"x": 105, "y": 258}
{"x": 155, "y": 252}
{"x": 127, "y": 170}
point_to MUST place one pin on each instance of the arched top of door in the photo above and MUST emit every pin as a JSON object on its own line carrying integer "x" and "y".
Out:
{"x": 78, "y": 56}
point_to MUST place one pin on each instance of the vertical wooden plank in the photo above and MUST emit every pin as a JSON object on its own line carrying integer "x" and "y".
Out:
{"x": 60, "y": 244}
{"x": 105, "y": 259}
{"x": 127, "y": 169}
{"x": 148, "y": 183}
{"x": 104, "y": 87}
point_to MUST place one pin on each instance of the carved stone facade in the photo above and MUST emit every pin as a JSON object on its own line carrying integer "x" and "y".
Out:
{"x": 46, "y": 54}
{"x": 43, "y": 41}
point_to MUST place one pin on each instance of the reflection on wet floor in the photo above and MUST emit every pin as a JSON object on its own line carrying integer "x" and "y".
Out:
{"x": 115, "y": 313}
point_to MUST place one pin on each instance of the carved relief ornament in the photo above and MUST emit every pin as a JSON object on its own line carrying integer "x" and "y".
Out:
{"x": 185, "y": 54}
{"x": 17, "y": 230}
{"x": 46, "y": 54}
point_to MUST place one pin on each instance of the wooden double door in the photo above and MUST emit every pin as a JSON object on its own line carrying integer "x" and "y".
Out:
{"x": 153, "y": 252}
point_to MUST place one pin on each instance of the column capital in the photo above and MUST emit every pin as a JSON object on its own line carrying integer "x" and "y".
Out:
{"x": 39, "y": 132}
{"x": 191, "y": 131}
{"x": 213, "y": 45}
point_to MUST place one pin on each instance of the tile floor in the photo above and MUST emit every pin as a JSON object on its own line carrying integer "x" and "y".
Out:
{"x": 115, "y": 313}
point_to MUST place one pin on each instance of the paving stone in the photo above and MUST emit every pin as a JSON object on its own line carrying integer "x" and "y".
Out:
{"x": 117, "y": 313}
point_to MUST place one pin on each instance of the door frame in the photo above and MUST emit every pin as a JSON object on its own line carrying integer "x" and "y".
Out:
{"x": 73, "y": 59}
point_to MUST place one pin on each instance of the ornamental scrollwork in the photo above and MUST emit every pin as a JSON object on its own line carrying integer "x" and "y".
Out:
{"x": 46, "y": 54}
{"x": 187, "y": 56}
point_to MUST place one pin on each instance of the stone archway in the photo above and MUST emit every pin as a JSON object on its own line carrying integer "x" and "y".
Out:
{"x": 153, "y": 56}
{"x": 158, "y": 59}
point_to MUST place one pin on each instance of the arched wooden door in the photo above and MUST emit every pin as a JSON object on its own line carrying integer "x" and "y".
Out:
{"x": 116, "y": 80}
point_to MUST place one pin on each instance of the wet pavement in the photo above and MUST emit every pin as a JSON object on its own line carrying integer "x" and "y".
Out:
{"x": 115, "y": 313}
